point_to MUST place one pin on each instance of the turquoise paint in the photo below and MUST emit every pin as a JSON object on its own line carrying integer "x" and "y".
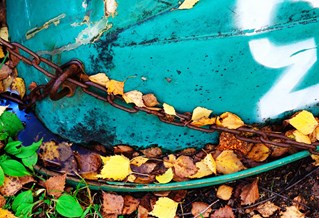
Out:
{"x": 215, "y": 56}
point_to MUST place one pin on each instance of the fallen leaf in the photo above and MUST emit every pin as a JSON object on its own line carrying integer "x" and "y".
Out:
{"x": 168, "y": 109}
{"x": 135, "y": 97}
{"x": 162, "y": 193}
{"x": 315, "y": 157}
{"x": 32, "y": 86}
{"x": 259, "y": 152}
{"x": 204, "y": 121}
{"x": 131, "y": 178}
{"x": 164, "y": 208}
{"x": 211, "y": 163}
{"x": 169, "y": 161}
{"x": 49, "y": 153}
{"x": 55, "y": 185}
{"x": 88, "y": 163}
{"x": 115, "y": 167}
{"x": 188, "y": 4}
{"x": 290, "y": 212}
{"x": 166, "y": 177}
{"x": 299, "y": 202}
{"x": 112, "y": 203}
{"x": 250, "y": 193}
{"x": 178, "y": 195}
{"x": 202, "y": 170}
{"x": 126, "y": 150}
{"x": 224, "y": 192}
{"x": 229, "y": 120}
{"x": 100, "y": 78}
{"x": 224, "y": 212}
{"x": 228, "y": 141}
{"x": 110, "y": 7}
{"x": 278, "y": 151}
{"x": 184, "y": 167}
{"x": 200, "y": 209}
{"x": 315, "y": 135}
{"x": 304, "y": 121}
{"x": 2, "y": 201}
{"x": 227, "y": 162}
{"x": 200, "y": 112}
{"x": 142, "y": 212}
{"x": 300, "y": 137}
{"x": 26, "y": 179}
{"x": 4, "y": 33}
{"x": 18, "y": 86}
{"x": 150, "y": 100}
{"x": 153, "y": 152}
{"x": 10, "y": 186}
{"x": 267, "y": 209}
{"x": 6, "y": 214}
{"x": 188, "y": 152}
{"x": 130, "y": 204}
{"x": 138, "y": 161}
{"x": 148, "y": 201}
{"x": 115, "y": 87}
{"x": 2, "y": 109}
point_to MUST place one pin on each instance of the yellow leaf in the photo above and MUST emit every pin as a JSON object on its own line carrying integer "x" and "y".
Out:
{"x": 227, "y": 162}
{"x": 224, "y": 192}
{"x": 1, "y": 52}
{"x": 168, "y": 109}
{"x": 6, "y": 214}
{"x": 135, "y": 97}
{"x": 131, "y": 178}
{"x": 304, "y": 121}
{"x": 259, "y": 152}
{"x": 292, "y": 211}
{"x": 150, "y": 100}
{"x": 2, "y": 109}
{"x": 138, "y": 161}
{"x": 200, "y": 112}
{"x": 169, "y": 161}
{"x": 203, "y": 170}
{"x": 115, "y": 87}
{"x": 188, "y": 4}
{"x": 18, "y": 86}
{"x": 229, "y": 120}
{"x": 164, "y": 208}
{"x": 204, "y": 121}
{"x": 166, "y": 177}
{"x": 210, "y": 162}
{"x": 99, "y": 78}
{"x": 300, "y": 137}
{"x": 115, "y": 167}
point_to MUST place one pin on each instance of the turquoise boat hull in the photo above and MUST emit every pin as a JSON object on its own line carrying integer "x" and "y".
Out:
{"x": 257, "y": 59}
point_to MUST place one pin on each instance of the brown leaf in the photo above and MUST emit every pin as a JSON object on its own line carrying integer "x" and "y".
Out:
{"x": 162, "y": 193}
{"x": 10, "y": 186}
{"x": 148, "y": 201}
{"x": 250, "y": 193}
{"x": 6, "y": 214}
{"x": 188, "y": 152}
{"x": 112, "y": 203}
{"x": 169, "y": 161}
{"x": 55, "y": 185}
{"x": 184, "y": 167}
{"x": 26, "y": 179}
{"x": 228, "y": 141}
{"x": 134, "y": 97}
{"x": 142, "y": 212}
{"x": 178, "y": 196}
{"x": 224, "y": 212}
{"x": 200, "y": 209}
{"x": 150, "y": 100}
{"x": 154, "y": 152}
{"x": 259, "y": 152}
{"x": 18, "y": 87}
{"x": 130, "y": 204}
{"x": 2, "y": 201}
{"x": 126, "y": 150}
{"x": 224, "y": 192}
{"x": 299, "y": 202}
{"x": 267, "y": 209}
{"x": 32, "y": 86}
{"x": 278, "y": 151}
{"x": 290, "y": 212}
{"x": 50, "y": 154}
{"x": 88, "y": 163}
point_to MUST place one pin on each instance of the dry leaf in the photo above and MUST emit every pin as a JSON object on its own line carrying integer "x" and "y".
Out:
{"x": 55, "y": 185}
{"x": 200, "y": 209}
{"x": 224, "y": 192}
{"x": 169, "y": 161}
{"x": 290, "y": 212}
{"x": 184, "y": 167}
{"x": 150, "y": 100}
{"x": 2, "y": 201}
{"x": 203, "y": 170}
{"x": 200, "y": 112}
{"x": 124, "y": 149}
{"x": 316, "y": 159}
{"x": 164, "y": 208}
{"x": 211, "y": 163}
{"x": 110, "y": 7}
{"x": 267, "y": 209}
{"x": 166, "y": 177}
{"x": 204, "y": 121}
{"x": 224, "y": 212}
{"x": 26, "y": 179}
{"x": 49, "y": 153}
{"x": 178, "y": 195}
{"x": 115, "y": 87}
{"x": 131, "y": 178}
{"x": 18, "y": 87}
{"x": 153, "y": 152}
{"x": 10, "y": 186}
{"x": 299, "y": 202}
{"x": 134, "y": 97}
{"x": 100, "y": 78}
{"x": 2, "y": 109}
{"x": 142, "y": 212}
{"x": 228, "y": 141}
{"x": 259, "y": 152}
{"x": 88, "y": 163}
{"x": 168, "y": 109}
{"x": 250, "y": 193}
{"x": 227, "y": 162}
{"x": 6, "y": 214}
{"x": 229, "y": 120}
{"x": 188, "y": 4}
{"x": 138, "y": 161}
{"x": 315, "y": 134}
{"x": 112, "y": 203}
{"x": 304, "y": 121}
{"x": 300, "y": 137}
{"x": 115, "y": 167}
{"x": 130, "y": 204}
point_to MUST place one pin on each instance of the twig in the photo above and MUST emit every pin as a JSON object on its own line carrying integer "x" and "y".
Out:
{"x": 207, "y": 208}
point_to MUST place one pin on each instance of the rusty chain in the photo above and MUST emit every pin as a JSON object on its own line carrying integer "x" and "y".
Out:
{"x": 71, "y": 75}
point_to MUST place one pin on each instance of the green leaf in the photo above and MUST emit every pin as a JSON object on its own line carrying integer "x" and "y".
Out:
{"x": 23, "y": 197}
{"x": 3, "y": 136}
{"x": 13, "y": 147}
{"x": 30, "y": 161}
{"x": 68, "y": 206}
{"x": 1, "y": 176}
{"x": 24, "y": 210}
{"x": 10, "y": 123}
{"x": 27, "y": 151}
{"x": 14, "y": 168}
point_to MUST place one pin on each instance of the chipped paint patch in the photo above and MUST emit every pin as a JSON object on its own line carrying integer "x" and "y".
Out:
{"x": 188, "y": 4}
{"x": 55, "y": 21}
{"x": 110, "y": 8}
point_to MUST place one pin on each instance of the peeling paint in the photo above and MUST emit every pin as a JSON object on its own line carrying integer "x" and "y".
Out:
{"x": 55, "y": 21}
{"x": 84, "y": 4}
{"x": 110, "y": 7}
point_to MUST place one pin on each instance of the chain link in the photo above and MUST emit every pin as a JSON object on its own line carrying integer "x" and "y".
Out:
{"x": 72, "y": 75}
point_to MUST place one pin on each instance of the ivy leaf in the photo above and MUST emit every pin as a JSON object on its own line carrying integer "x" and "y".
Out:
{"x": 13, "y": 147}
{"x": 14, "y": 168}
{"x": 27, "y": 151}
{"x": 30, "y": 161}
{"x": 10, "y": 123}
{"x": 68, "y": 206}
{"x": 1, "y": 176}
{"x": 23, "y": 197}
